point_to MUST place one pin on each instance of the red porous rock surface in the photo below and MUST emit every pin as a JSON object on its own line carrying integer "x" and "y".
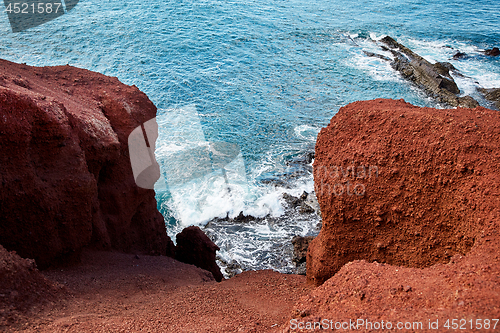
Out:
{"x": 65, "y": 174}
{"x": 410, "y": 203}
{"x": 195, "y": 248}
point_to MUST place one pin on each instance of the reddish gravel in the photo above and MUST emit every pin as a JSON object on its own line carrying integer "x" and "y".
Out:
{"x": 114, "y": 292}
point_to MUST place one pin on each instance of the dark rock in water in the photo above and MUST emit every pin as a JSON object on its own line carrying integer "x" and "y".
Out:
{"x": 304, "y": 202}
{"x": 459, "y": 55}
{"x": 244, "y": 218}
{"x": 494, "y": 52}
{"x": 306, "y": 209}
{"x": 195, "y": 248}
{"x": 376, "y": 55}
{"x": 291, "y": 200}
{"x": 434, "y": 79}
{"x": 300, "y": 245}
{"x": 468, "y": 102}
{"x": 240, "y": 219}
{"x": 22, "y": 286}
{"x": 492, "y": 95}
{"x": 390, "y": 42}
{"x": 444, "y": 68}
{"x": 232, "y": 268}
{"x": 308, "y": 157}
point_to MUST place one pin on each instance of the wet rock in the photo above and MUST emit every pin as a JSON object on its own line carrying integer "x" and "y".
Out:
{"x": 434, "y": 79}
{"x": 301, "y": 269}
{"x": 459, "y": 55}
{"x": 22, "y": 286}
{"x": 376, "y": 55}
{"x": 292, "y": 201}
{"x": 232, "y": 268}
{"x": 306, "y": 209}
{"x": 444, "y": 68}
{"x": 312, "y": 202}
{"x": 492, "y": 95}
{"x": 276, "y": 181}
{"x": 420, "y": 229}
{"x": 300, "y": 245}
{"x": 305, "y": 202}
{"x": 304, "y": 158}
{"x": 195, "y": 248}
{"x": 297, "y": 166}
{"x": 494, "y": 52}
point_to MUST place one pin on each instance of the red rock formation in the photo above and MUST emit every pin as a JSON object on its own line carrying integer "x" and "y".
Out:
{"x": 65, "y": 174}
{"x": 425, "y": 222}
{"x": 195, "y": 248}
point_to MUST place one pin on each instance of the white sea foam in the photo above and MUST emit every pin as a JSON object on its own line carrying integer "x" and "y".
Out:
{"x": 307, "y": 132}
{"x": 207, "y": 192}
{"x": 375, "y": 37}
{"x": 199, "y": 191}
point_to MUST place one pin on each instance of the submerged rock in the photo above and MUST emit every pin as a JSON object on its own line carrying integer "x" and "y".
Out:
{"x": 300, "y": 245}
{"x": 292, "y": 201}
{"x": 376, "y": 55}
{"x": 404, "y": 216}
{"x": 306, "y": 203}
{"x": 459, "y": 55}
{"x": 22, "y": 286}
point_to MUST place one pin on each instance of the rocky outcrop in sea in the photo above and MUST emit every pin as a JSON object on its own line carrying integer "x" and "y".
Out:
{"x": 435, "y": 79}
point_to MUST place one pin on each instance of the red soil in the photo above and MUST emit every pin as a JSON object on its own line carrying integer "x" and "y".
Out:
{"x": 114, "y": 292}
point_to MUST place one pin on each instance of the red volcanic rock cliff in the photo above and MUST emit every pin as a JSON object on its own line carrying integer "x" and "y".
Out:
{"x": 65, "y": 174}
{"x": 411, "y": 215}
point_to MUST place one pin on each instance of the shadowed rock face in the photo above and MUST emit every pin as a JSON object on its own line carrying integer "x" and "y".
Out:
{"x": 65, "y": 176}
{"x": 434, "y": 79}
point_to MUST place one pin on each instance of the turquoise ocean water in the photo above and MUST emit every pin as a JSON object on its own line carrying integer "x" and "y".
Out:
{"x": 262, "y": 75}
